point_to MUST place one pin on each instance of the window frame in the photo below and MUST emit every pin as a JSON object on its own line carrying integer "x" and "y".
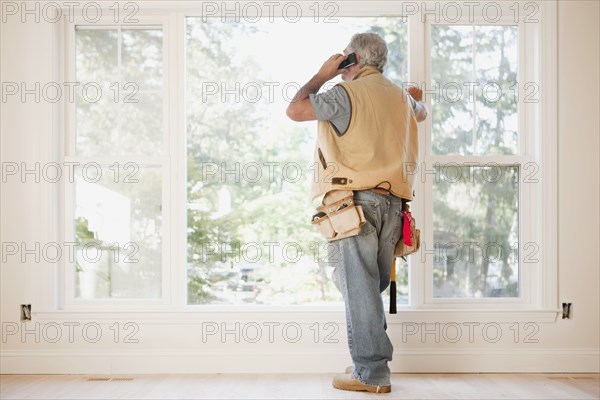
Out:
{"x": 538, "y": 47}
{"x": 523, "y": 156}
{"x": 67, "y": 299}
{"x": 538, "y": 280}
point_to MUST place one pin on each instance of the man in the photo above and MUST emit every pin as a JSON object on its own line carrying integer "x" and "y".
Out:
{"x": 367, "y": 135}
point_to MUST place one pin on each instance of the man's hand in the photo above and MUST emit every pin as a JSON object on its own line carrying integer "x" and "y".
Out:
{"x": 329, "y": 69}
{"x": 300, "y": 108}
{"x": 415, "y": 93}
{"x": 421, "y": 109}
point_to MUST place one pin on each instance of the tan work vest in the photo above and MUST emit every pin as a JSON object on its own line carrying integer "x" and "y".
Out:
{"x": 380, "y": 147}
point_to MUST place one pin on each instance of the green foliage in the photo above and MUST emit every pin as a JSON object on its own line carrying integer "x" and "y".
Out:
{"x": 226, "y": 213}
{"x": 227, "y": 134}
{"x": 82, "y": 232}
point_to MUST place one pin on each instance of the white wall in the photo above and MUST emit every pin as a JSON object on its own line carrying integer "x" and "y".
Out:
{"x": 176, "y": 346}
{"x": 578, "y": 166}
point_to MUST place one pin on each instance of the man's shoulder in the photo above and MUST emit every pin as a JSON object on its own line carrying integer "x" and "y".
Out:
{"x": 332, "y": 105}
{"x": 337, "y": 94}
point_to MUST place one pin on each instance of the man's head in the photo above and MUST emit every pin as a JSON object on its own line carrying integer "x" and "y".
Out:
{"x": 370, "y": 49}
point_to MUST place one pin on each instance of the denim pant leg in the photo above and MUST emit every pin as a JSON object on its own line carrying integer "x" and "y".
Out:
{"x": 363, "y": 265}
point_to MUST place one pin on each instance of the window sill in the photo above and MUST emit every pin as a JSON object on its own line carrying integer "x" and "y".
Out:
{"x": 292, "y": 314}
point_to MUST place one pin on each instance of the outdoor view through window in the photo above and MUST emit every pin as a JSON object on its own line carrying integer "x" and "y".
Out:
{"x": 249, "y": 167}
{"x": 475, "y": 207}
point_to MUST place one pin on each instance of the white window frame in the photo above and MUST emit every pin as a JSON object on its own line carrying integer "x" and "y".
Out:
{"x": 538, "y": 47}
{"x": 537, "y": 205}
{"x": 524, "y": 156}
{"x": 66, "y": 299}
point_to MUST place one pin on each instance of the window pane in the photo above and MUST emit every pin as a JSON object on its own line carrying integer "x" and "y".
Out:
{"x": 118, "y": 231}
{"x": 496, "y": 106}
{"x": 119, "y": 97}
{"x": 474, "y": 73}
{"x": 142, "y": 57}
{"x": 475, "y": 222}
{"x": 452, "y": 116}
{"x": 249, "y": 167}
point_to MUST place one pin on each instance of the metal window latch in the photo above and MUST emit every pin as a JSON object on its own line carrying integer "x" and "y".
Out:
{"x": 25, "y": 312}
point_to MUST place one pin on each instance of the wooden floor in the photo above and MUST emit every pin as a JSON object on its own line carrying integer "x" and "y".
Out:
{"x": 298, "y": 386}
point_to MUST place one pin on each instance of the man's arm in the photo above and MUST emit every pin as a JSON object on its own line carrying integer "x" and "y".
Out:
{"x": 420, "y": 108}
{"x": 300, "y": 108}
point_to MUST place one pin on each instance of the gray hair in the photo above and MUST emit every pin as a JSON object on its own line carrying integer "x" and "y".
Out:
{"x": 372, "y": 49}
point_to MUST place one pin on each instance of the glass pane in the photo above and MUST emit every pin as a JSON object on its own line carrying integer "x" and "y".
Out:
{"x": 119, "y": 96}
{"x": 118, "y": 231}
{"x": 474, "y": 74}
{"x": 141, "y": 132}
{"x": 249, "y": 167}
{"x": 451, "y": 114}
{"x": 475, "y": 222}
{"x": 496, "y": 104}
{"x": 97, "y": 55}
{"x": 142, "y": 57}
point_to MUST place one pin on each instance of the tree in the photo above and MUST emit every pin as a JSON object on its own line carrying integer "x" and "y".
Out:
{"x": 481, "y": 207}
{"x": 224, "y": 133}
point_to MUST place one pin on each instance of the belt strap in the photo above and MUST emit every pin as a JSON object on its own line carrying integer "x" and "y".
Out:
{"x": 381, "y": 191}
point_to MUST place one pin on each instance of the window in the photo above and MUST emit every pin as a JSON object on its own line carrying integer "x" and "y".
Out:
{"x": 249, "y": 167}
{"x": 480, "y": 172}
{"x": 191, "y": 186}
{"x": 116, "y": 147}
{"x": 474, "y": 70}
{"x": 475, "y": 231}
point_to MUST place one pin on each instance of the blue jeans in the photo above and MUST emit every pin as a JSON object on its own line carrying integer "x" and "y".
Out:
{"x": 362, "y": 271}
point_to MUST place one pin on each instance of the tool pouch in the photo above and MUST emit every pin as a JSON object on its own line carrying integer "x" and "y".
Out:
{"x": 338, "y": 216}
{"x": 410, "y": 239}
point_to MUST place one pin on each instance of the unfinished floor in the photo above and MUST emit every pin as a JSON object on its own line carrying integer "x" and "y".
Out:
{"x": 298, "y": 386}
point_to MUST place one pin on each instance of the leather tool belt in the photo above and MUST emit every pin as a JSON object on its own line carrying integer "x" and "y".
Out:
{"x": 338, "y": 216}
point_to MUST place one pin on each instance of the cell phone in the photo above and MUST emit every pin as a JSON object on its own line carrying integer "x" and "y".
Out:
{"x": 348, "y": 62}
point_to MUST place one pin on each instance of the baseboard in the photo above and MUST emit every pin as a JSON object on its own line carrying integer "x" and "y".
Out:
{"x": 498, "y": 361}
{"x": 404, "y": 361}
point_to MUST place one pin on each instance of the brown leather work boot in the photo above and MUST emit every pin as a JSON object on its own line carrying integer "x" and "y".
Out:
{"x": 347, "y": 382}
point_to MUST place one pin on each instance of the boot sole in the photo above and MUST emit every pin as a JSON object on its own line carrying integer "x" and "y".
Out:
{"x": 365, "y": 388}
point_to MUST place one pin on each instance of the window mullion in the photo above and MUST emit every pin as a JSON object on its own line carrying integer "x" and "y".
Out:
{"x": 119, "y": 76}
{"x": 178, "y": 161}
{"x": 474, "y": 77}
{"x": 418, "y": 74}
{"x": 423, "y": 283}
